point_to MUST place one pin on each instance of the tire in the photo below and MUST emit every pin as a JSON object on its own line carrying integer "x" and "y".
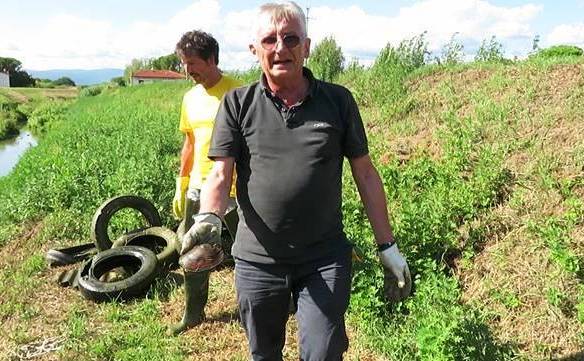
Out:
{"x": 108, "y": 208}
{"x": 160, "y": 240}
{"x": 139, "y": 261}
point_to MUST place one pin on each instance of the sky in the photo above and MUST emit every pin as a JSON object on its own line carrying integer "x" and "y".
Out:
{"x": 76, "y": 34}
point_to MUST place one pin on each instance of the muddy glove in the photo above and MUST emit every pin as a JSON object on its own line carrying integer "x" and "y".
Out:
{"x": 178, "y": 202}
{"x": 397, "y": 283}
{"x": 201, "y": 246}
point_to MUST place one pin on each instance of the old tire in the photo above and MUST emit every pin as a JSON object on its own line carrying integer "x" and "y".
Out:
{"x": 105, "y": 212}
{"x": 140, "y": 262}
{"x": 160, "y": 240}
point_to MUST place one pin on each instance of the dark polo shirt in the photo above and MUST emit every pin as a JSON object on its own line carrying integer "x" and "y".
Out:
{"x": 289, "y": 166}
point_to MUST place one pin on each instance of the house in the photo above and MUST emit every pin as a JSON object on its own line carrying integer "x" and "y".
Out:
{"x": 4, "y": 80}
{"x": 150, "y": 76}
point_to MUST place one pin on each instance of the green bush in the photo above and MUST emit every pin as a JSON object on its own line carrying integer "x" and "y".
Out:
{"x": 91, "y": 91}
{"x": 45, "y": 116}
{"x": 326, "y": 60}
{"x": 119, "y": 81}
{"x": 44, "y": 83}
{"x": 382, "y": 86}
{"x": 11, "y": 117}
{"x": 559, "y": 51}
{"x": 64, "y": 81}
{"x": 8, "y": 126}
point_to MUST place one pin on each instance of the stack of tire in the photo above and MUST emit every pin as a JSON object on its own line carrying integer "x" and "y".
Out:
{"x": 133, "y": 260}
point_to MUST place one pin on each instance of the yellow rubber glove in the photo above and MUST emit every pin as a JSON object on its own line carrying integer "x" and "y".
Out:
{"x": 178, "y": 202}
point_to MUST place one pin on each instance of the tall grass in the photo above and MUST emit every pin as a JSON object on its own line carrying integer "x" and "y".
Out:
{"x": 430, "y": 198}
{"x": 105, "y": 146}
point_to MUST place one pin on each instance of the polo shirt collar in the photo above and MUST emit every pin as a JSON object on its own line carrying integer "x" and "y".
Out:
{"x": 312, "y": 83}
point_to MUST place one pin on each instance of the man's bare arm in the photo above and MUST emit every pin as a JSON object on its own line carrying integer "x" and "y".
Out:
{"x": 187, "y": 155}
{"x": 373, "y": 196}
{"x": 215, "y": 190}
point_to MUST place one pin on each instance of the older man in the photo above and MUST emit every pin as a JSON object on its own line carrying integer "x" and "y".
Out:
{"x": 287, "y": 136}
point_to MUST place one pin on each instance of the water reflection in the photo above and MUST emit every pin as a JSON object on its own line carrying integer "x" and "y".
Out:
{"x": 11, "y": 150}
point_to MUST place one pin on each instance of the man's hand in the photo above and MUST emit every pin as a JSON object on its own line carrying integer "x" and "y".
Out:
{"x": 201, "y": 246}
{"x": 397, "y": 279}
{"x": 178, "y": 202}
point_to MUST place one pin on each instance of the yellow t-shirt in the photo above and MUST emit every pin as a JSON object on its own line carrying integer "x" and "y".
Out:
{"x": 197, "y": 116}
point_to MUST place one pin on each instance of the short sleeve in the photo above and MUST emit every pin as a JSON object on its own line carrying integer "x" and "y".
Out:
{"x": 184, "y": 125}
{"x": 355, "y": 139}
{"x": 226, "y": 139}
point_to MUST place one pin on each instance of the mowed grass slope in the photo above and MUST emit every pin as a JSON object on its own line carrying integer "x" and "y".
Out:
{"x": 483, "y": 167}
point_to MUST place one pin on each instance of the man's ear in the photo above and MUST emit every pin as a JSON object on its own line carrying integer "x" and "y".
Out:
{"x": 306, "y": 48}
{"x": 252, "y": 49}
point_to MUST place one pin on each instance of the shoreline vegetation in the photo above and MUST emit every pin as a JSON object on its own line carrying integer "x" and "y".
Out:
{"x": 18, "y": 105}
{"x": 482, "y": 166}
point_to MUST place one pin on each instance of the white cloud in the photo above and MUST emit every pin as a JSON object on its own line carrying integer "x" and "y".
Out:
{"x": 571, "y": 34}
{"x": 69, "y": 41}
{"x": 360, "y": 33}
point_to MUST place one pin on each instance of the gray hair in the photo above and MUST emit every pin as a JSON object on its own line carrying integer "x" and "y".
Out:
{"x": 285, "y": 10}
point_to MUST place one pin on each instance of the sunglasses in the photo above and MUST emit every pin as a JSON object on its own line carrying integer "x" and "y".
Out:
{"x": 289, "y": 41}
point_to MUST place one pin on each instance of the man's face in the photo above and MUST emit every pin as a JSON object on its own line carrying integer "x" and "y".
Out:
{"x": 198, "y": 69}
{"x": 281, "y": 48}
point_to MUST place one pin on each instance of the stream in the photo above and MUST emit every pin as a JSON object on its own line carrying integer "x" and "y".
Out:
{"x": 12, "y": 149}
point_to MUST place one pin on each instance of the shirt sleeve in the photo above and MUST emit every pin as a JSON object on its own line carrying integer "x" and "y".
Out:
{"x": 184, "y": 125}
{"x": 355, "y": 139}
{"x": 226, "y": 139}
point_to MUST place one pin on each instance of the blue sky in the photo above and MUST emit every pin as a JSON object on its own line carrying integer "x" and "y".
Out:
{"x": 88, "y": 35}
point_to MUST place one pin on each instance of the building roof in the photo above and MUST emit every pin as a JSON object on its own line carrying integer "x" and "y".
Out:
{"x": 158, "y": 74}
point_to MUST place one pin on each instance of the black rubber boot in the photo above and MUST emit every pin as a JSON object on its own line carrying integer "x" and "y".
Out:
{"x": 196, "y": 295}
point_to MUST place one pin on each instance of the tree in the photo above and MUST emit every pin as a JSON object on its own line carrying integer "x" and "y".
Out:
{"x": 326, "y": 60}
{"x": 64, "y": 81}
{"x": 18, "y": 77}
{"x": 166, "y": 62}
{"x": 119, "y": 80}
{"x": 135, "y": 64}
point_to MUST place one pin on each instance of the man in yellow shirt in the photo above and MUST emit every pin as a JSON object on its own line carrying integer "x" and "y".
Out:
{"x": 199, "y": 54}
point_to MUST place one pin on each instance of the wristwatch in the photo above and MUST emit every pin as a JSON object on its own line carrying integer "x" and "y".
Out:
{"x": 382, "y": 247}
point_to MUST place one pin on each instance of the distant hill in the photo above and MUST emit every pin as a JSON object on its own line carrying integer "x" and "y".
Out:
{"x": 79, "y": 76}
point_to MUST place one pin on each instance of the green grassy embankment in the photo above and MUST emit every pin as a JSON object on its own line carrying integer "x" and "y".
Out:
{"x": 19, "y": 104}
{"x": 483, "y": 167}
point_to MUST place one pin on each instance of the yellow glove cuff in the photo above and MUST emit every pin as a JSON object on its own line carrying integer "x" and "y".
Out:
{"x": 182, "y": 183}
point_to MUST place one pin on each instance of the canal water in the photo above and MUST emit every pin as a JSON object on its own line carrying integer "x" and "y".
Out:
{"x": 12, "y": 149}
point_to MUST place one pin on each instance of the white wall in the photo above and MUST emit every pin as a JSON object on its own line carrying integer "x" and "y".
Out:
{"x": 138, "y": 80}
{"x": 4, "y": 80}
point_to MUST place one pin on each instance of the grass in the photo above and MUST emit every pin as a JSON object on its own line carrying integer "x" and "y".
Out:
{"x": 19, "y": 104}
{"x": 482, "y": 166}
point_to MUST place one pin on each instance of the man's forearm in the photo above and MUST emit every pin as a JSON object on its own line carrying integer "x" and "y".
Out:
{"x": 373, "y": 196}
{"x": 187, "y": 156}
{"x": 215, "y": 190}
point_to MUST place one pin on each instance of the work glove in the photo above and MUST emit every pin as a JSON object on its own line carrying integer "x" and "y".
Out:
{"x": 178, "y": 202}
{"x": 201, "y": 246}
{"x": 397, "y": 282}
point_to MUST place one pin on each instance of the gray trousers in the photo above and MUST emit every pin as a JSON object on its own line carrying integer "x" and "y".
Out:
{"x": 320, "y": 291}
